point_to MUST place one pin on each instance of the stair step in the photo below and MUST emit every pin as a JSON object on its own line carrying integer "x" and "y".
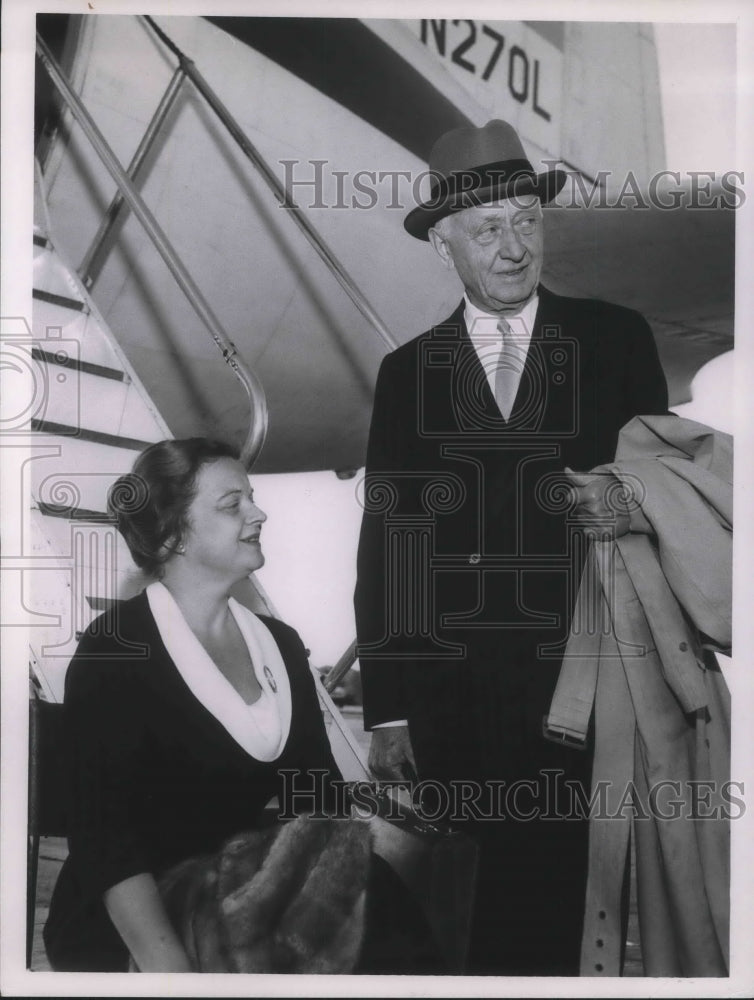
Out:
{"x": 63, "y": 360}
{"x": 51, "y": 275}
{"x": 78, "y": 336}
{"x": 65, "y": 537}
{"x": 78, "y": 396}
{"x": 58, "y": 300}
{"x": 84, "y": 434}
{"x": 58, "y": 328}
{"x": 80, "y": 563}
{"x": 77, "y": 570}
{"x": 75, "y": 513}
{"x": 101, "y": 604}
{"x": 79, "y": 400}
{"x": 54, "y": 644}
{"x": 73, "y": 473}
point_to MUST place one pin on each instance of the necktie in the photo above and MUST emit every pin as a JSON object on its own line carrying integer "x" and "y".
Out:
{"x": 508, "y": 372}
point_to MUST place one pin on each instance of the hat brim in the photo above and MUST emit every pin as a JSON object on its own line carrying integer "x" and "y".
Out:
{"x": 421, "y": 219}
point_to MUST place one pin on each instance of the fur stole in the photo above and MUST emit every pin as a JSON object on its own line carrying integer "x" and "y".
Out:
{"x": 288, "y": 899}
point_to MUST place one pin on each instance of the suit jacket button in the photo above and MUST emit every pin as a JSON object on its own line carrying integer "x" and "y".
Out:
{"x": 474, "y": 558}
{"x": 683, "y": 646}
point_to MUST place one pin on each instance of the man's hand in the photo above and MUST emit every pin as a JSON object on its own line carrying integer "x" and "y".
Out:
{"x": 391, "y": 757}
{"x": 600, "y": 503}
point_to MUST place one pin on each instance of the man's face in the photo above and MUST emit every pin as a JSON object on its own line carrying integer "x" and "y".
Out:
{"x": 497, "y": 251}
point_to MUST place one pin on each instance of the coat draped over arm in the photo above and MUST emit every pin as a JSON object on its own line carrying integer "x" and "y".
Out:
{"x": 653, "y": 607}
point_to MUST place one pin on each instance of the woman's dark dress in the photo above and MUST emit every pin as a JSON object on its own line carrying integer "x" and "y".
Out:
{"x": 154, "y": 777}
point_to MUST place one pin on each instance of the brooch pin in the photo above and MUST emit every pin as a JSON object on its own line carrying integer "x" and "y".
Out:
{"x": 270, "y": 679}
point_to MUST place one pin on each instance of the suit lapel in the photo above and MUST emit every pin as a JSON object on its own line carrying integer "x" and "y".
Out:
{"x": 559, "y": 358}
{"x": 531, "y": 399}
{"x": 454, "y": 397}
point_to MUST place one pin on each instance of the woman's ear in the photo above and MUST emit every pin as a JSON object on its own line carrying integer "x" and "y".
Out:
{"x": 173, "y": 546}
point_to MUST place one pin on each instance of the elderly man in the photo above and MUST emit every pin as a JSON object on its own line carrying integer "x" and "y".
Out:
{"x": 470, "y": 552}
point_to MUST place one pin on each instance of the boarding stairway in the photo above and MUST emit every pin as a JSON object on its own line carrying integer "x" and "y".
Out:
{"x": 91, "y": 419}
{"x": 94, "y": 419}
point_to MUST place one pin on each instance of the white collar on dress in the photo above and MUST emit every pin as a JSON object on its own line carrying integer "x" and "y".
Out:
{"x": 243, "y": 722}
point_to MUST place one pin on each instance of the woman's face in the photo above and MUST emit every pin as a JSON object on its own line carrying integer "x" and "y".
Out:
{"x": 224, "y": 523}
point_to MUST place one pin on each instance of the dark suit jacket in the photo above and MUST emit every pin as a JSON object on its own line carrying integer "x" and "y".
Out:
{"x": 468, "y": 560}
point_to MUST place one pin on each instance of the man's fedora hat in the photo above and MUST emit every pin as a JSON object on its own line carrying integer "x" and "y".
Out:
{"x": 474, "y": 166}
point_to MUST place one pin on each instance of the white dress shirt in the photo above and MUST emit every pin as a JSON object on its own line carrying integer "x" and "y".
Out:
{"x": 488, "y": 339}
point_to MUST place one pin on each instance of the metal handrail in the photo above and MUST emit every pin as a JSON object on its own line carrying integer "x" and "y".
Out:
{"x": 282, "y": 194}
{"x": 94, "y": 258}
{"x": 335, "y": 674}
{"x": 285, "y": 198}
{"x": 258, "y": 424}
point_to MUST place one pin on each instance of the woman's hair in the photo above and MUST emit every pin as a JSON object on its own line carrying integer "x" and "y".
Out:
{"x": 150, "y": 503}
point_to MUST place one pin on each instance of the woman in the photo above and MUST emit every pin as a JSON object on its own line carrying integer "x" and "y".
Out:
{"x": 183, "y": 708}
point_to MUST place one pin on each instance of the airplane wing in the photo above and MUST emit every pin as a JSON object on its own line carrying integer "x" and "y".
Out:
{"x": 328, "y": 139}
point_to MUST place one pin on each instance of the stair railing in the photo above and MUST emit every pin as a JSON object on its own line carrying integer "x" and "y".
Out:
{"x": 282, "y": 194}
{"x": 258, "y": 421}
{"x": 95, "y": 256}
{"x": 285, "y": 199}
{"x": 128, "y": 194}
